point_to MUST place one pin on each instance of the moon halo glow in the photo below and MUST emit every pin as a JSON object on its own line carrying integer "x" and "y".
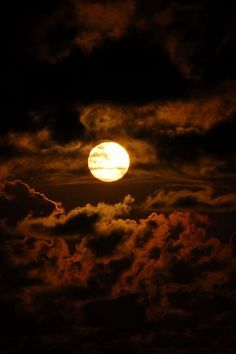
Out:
{"x": 108, "y": 161}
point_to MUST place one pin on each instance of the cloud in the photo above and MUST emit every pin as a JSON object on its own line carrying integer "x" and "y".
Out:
{"x": 171, "y": 139}
{"x": 178, "y": 137}
{"x": 79, "y": 23}
{"x": 99, "y": 21}
{"x": 27, "y": 142}
{"x": 103, "y": 231}
{"x": 35, "y": 204}
{"x": 177, "y": 28}
{"x": 79, "y": 222}
{"x": 203, "y": 199}
{"x": 103, "y": 118}
{"x": 180, "y": 28}
{"x": 53, "y": 31}
{"x": 169, "y": 118}
{"x": 128, "y": 276}
{"x": 111, "y": 270}
{"x": 24, "y": 155}
{"x": 178, "y": 23}
{"x": 200, "y": 114}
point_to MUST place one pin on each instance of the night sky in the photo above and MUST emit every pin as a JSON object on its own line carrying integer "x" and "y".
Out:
{"x": 146, "y": 264}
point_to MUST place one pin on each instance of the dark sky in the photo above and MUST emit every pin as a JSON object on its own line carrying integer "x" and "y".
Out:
{"x": 146, "y": 264}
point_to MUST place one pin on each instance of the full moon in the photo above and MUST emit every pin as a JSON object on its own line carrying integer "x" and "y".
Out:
{"x": 108, "y": 161}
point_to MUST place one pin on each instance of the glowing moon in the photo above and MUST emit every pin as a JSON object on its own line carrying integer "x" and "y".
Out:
{"x": 108, "y": 161}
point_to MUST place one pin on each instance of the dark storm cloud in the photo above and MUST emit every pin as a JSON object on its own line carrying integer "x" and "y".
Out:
{"x": 161, "y": 271}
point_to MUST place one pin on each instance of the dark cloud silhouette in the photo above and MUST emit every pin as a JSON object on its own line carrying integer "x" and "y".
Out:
{"x": 35, "y": 204}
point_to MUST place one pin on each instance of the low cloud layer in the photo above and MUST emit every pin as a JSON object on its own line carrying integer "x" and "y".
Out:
{"x": 97, "y": 257}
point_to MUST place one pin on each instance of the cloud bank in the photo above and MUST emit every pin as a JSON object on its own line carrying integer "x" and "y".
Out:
{"x": 97, "y": 264}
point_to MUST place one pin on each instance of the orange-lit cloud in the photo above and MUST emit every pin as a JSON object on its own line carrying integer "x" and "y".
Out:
{"x": 101, "y": 21}
{"x": 185, "y": 199}
{"x": 155, "y": 256}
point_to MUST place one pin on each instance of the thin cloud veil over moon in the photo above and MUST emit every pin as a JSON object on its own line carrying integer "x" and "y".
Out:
{"x": 108, "y": 161}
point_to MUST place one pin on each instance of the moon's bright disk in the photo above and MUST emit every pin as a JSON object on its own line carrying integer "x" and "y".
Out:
{"x": 108, "y": 161}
